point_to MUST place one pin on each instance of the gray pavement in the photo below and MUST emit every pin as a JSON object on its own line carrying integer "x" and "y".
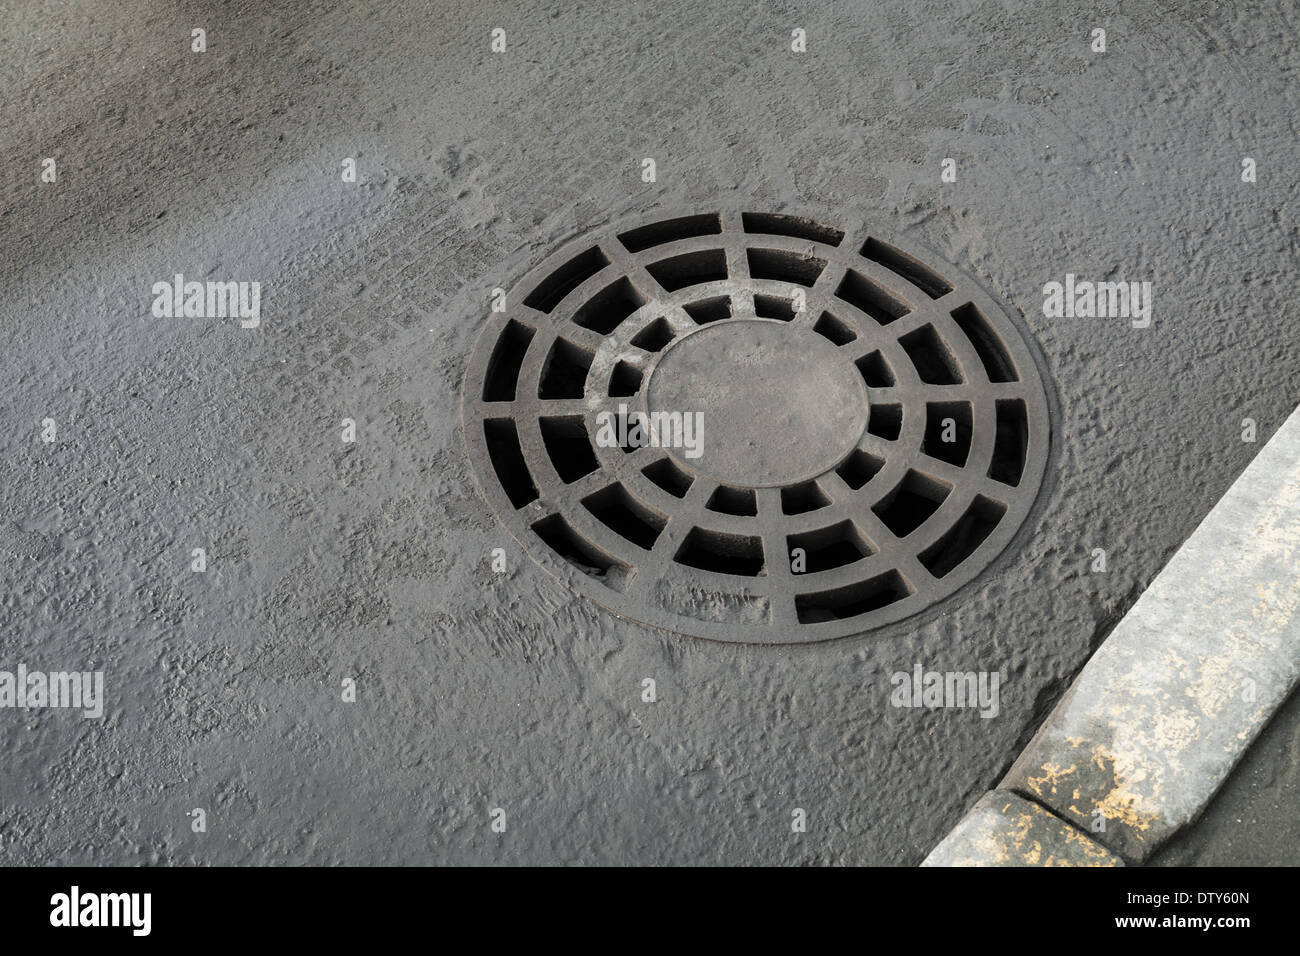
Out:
{"x": 370, "y": 561}
{"x": 1161, "y": 714}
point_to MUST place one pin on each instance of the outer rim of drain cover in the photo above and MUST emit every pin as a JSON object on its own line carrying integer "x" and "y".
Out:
{"x": 585, "y": 327}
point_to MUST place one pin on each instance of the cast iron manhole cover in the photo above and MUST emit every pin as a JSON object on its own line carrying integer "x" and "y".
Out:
{"x": 755, "y": 427}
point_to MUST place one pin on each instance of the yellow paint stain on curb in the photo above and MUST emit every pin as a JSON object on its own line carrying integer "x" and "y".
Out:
{"x": 1007, "y": 830}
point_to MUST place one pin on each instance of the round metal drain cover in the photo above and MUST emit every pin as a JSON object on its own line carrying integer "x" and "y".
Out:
{"x": 756, "y": 427}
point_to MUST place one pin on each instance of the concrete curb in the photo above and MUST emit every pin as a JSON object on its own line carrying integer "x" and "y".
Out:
{"x": 1160, "y": 715}
{"x": 1005, "y": 829}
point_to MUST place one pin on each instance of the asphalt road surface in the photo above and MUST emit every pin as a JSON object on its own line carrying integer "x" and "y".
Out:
{"x": 328, "y": 561}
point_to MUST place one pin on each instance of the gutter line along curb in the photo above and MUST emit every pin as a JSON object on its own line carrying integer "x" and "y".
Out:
{"x": 1162, "y": 712}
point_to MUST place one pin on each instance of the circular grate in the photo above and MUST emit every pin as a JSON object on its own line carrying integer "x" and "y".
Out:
{"x": 756, "y": 427}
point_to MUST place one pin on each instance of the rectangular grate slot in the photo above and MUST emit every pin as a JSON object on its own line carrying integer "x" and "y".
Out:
{"x": 690, "y": 268}
{"x": 859, "y": 468}
{"x": 961, "y": 540}
{"x": 654, "y": 336}
{"x": 911, "y": 503}
{"x": 502, "y": 375}
{"x": 861, "y": 597}
{"x": 772, "y": 224}
{"x": 670, "y": 230}
{"x": 899, "y": 262}
{"x": 627, "y": 517}
{"x": 996, "y": 361}
{"x": 947, "y": 431}
{"x": 507, "y": 457}
{"x": 606, "y": 310}
{"x": 568, "y": 446}
{"x": 733, "y": 501}
{"x": 773, "y": 307}
{"x": 721, "y": 552}
{"x": 581, "y": 553}
{"x": 1011, "y": 443}
{"x": 876, "y": 371}
{"x": 709, "y": 310}
{"x": 783, "y": 266}
{"x": 552, "y": 290}
{"x": 669, "y": 477}
{"x": 833, "y": 329}
{"x": 564, "y": 373}
{"x": 625, "y": 381}
{"x": 828, "y": 548}
{"x": 929, "y": 353}
{"x": 859, "y": 291}
{"x": 803, "y": 498}
{"x": 632, "y": 430}
{"x": 885, "y": 421}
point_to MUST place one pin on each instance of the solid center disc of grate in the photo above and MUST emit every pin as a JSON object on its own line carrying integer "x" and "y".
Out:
{"x": 778, "y": 403}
